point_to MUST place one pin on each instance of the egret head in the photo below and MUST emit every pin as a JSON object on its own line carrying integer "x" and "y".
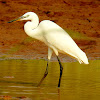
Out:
{"x": 26, "y": 16}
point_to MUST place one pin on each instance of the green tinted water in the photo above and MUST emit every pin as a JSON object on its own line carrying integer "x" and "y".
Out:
{"x": 19, "y": 79}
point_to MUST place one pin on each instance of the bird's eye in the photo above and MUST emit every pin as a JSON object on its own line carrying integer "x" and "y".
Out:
{"x": 25, "y": 16}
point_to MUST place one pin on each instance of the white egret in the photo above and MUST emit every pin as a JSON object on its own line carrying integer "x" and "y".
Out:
{"x": 54, "y": 37}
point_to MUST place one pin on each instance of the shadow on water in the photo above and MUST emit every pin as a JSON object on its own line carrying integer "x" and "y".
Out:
{"x": 19, "y": 78}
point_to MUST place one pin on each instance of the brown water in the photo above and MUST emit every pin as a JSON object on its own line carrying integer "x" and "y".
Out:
{"x": 19, "y": 79}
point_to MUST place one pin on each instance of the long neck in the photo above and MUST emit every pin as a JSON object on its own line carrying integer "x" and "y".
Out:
{"x": 30, "y": 27}
{"x": 35, "y": 22}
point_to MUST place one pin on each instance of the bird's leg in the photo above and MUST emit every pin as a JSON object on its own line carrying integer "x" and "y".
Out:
{"x": 61, "y": 71}
{"x": 46, "y": 71}
{"x": 45, "y": 74}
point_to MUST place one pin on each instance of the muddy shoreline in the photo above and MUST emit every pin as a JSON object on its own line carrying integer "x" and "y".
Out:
{"x": 81, "y": 16}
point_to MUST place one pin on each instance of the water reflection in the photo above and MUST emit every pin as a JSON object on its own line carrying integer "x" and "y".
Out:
{"x": 19, "y": 78}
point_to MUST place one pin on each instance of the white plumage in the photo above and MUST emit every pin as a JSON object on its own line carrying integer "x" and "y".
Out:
{"x": 53, "y": 36}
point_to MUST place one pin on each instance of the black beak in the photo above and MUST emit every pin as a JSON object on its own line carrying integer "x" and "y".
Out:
{"x": 18, "y": 19}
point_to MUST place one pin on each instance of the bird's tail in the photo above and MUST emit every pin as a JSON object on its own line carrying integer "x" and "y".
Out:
{"x": 83, "y": 58}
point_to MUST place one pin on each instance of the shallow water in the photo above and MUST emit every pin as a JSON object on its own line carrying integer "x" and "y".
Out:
{"x": 19, "y": 79}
